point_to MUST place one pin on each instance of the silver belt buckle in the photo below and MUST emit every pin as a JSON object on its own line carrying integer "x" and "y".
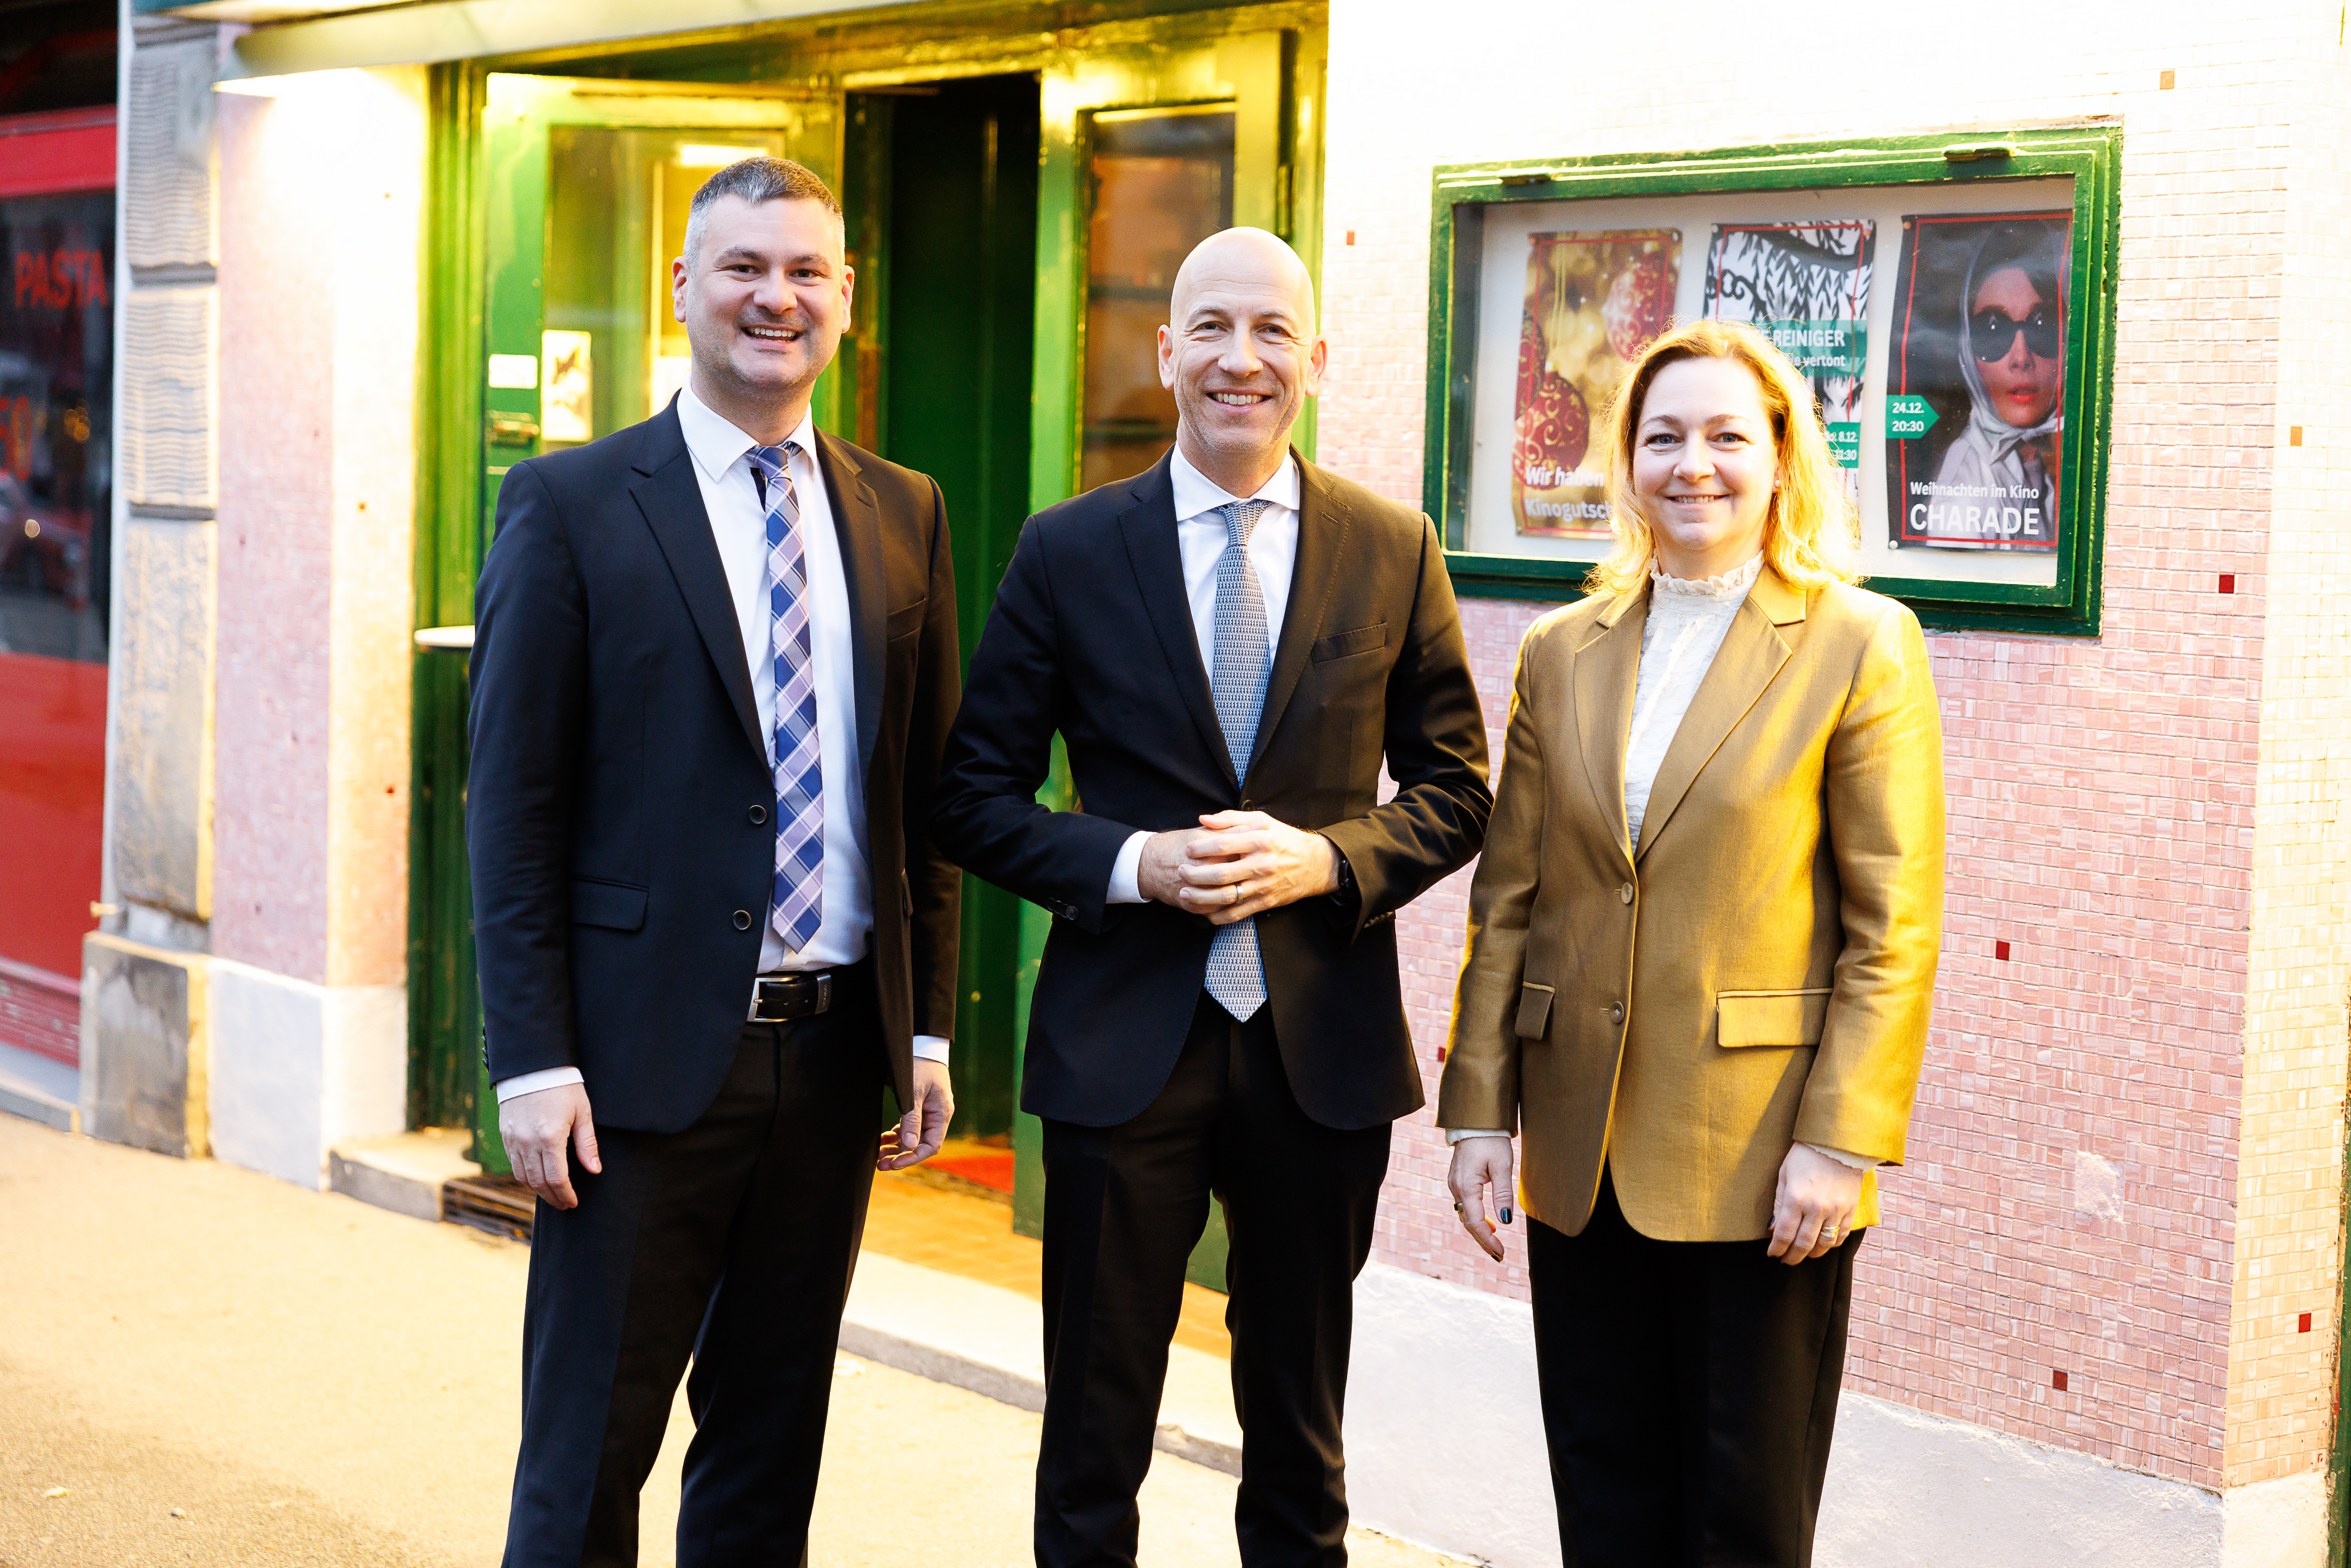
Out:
{"x": 823, "y": 985}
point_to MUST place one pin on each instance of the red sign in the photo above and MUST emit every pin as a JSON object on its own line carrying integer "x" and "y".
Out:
{"x": 71, "y": 149}
{"x": 60, "y": 280}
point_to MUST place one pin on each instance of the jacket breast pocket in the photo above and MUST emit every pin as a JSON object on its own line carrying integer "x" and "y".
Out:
{"x": 1534, "y": 1012}
{"x": 1771, "y": 1018}
{"x": 905, "y": 621}
{"x": 1344, "y": 644}
{"x": 613, "y": 904}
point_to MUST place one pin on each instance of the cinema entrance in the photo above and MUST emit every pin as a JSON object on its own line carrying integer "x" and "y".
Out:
{"x": 1017, "y": 205}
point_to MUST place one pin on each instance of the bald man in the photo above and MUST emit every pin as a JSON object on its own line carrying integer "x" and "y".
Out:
{"x": 1229, "y": 645}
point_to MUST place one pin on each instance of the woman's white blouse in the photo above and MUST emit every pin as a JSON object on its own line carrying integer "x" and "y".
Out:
{"x": 1687, "y": 622}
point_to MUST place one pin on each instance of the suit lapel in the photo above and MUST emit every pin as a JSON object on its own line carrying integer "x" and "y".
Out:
{"x": 1606, "y": 668}
{"x": 671, "y": 500}
{"x": 1751, "y": 653}
{"x": 1149, "y": 529}
{"x": 1322, "y": 526}
{"x": 858, "y": 523}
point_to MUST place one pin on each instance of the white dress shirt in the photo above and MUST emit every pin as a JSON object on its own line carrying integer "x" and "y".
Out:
{"x": 1201, "y": 535}
{"x": 738, "y": 524}
{"x": 1686, "y": 623}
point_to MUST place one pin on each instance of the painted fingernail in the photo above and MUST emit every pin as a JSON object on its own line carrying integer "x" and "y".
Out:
{"x": 1506, "y": 1217}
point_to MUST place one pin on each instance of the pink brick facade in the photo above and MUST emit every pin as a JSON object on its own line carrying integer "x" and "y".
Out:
{"x": 2126, "y": 1160}
{"x": 272, "y": 712}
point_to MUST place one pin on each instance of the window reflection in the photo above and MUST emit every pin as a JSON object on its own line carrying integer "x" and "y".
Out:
{"x": 611, "y": 351}
{"x": 1161, "y": 182}
{"x": 56, "y": 360}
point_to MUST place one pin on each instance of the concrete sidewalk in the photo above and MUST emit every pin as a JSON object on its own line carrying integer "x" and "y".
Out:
{"x": 307, "y": 1379}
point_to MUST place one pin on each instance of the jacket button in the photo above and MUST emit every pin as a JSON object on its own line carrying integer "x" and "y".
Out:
{"x": 1626, "y": 893}
{"x": 1616, "y": 1013}
{"x": 1248, "y": 805}
{"x": 758, "y": 814}
{"x": 742, "y": 920}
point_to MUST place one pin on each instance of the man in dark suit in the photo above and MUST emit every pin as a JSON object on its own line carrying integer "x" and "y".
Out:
{"x": 1229, "y": 645}
{"x": 714, "y": 664}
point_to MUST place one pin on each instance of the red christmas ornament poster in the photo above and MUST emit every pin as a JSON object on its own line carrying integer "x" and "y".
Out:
{"x": 1595, "y": 300}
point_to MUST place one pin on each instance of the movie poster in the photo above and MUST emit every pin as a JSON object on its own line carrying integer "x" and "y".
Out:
{"x": 1805, "y": 286}
{"x": 567, "y": 410}
{"x": 1594, "y": 302}
{"x": 1975, "y": 386}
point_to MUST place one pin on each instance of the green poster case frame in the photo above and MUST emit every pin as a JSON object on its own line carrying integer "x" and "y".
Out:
{"x": 2088, "y": 152}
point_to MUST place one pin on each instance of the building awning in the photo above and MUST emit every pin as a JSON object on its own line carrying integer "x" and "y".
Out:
{"x": 293, "y": 37}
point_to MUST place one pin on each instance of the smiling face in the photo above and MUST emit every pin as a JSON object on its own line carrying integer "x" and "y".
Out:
{"x": 2023, "y": 383}
{"x": 1241, "y": 354}
{"x": 763, "y": 293}
{"x": 1704, "y": 463}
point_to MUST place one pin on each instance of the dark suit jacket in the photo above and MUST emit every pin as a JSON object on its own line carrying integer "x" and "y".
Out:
{"x": 1092, "y": 636}
{"x": 621, "y": 813}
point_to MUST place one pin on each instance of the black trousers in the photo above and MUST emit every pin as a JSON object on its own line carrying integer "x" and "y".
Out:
{"x": 1124, "y": 1207}
{"x": 1689, "y": 1390}
{"x": 730, "y": 1243}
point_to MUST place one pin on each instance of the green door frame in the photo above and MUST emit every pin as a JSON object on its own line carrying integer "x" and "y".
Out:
{"x": 1267, "y": 59}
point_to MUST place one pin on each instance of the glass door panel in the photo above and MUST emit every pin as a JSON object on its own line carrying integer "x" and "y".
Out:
{"x": 590, "y": 185}
{"x": 612, "y": 351}
{"x": 586, "y": 184}
{"x": 1161, "y": 181}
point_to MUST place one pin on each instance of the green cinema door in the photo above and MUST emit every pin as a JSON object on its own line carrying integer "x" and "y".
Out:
{"x": 1016, "y": 237}
{"x": 584, "y": 186}
{"x": 1015, "y": 232}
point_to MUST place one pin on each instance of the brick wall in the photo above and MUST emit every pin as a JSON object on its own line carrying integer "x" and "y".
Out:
{"x": 2290, "y": 1159}
{"x": 2127, "y": 812}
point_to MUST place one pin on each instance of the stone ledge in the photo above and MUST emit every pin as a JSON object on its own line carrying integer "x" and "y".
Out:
{"x": 991, "y": 1340}
{"x": 19, "y": 1098}
{"x": 402, "y": 1172}
{"x": 941, "y": 1326}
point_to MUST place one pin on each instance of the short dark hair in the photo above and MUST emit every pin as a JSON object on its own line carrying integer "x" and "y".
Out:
{"x": 758, "y": 180}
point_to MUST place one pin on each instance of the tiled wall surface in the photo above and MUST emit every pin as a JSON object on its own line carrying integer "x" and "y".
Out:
{"x": 2289, "y": 1163}
{"x": 317, "y": 466}
{"x": 2144, "y": 817}
{"x": 272, "y": 705}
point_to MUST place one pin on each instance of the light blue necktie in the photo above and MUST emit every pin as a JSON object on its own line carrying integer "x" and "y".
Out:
{"x": 796, "y": 903}
{"x": 1244, "y": 658}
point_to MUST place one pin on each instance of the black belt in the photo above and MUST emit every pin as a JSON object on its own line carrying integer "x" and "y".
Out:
{"x": 786, "y": 998}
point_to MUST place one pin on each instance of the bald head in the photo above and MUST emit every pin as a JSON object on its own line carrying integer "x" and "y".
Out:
{"x": 1244, "y": 260}
{"x": 1240, "y": 353}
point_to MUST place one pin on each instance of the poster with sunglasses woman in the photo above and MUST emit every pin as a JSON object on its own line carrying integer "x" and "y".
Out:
{"x": 1975, "y": 406}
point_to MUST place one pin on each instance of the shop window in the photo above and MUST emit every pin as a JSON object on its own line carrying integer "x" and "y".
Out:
{"x": 57, "y": 355}
{"x": 56, "y": 368}
{"x": 1949, "y": 299}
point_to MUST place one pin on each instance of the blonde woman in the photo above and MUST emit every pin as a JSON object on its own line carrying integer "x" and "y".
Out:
{"x": 1702, "y": 946}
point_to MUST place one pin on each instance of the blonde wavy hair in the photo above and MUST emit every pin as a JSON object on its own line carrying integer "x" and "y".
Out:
{"x": 1811, "y": 531}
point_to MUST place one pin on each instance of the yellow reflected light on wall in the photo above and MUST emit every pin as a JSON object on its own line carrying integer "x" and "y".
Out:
{"x": 694, "y": 155}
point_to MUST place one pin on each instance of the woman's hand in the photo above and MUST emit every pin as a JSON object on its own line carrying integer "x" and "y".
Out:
{"x": 1813, "y": 1211}
{"x": 1478, "y": 1163}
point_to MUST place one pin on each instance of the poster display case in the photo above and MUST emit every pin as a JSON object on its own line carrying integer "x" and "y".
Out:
{"x": 1949, "y": 298}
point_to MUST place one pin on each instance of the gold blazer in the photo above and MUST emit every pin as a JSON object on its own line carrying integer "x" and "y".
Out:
{"x": 1759, "y": 971}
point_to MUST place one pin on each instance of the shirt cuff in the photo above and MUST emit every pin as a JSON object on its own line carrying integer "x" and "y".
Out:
{"x": 1461, "y": 1134}
{"x": 1851, "y": 1162}
{"x": 1126, "y": 872}
{"x": 930, "y": 1048}
{"x": 532, "y": 1083}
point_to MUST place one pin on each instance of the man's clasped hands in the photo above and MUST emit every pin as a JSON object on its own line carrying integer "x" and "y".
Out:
{"x": 1236, "y": 865}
